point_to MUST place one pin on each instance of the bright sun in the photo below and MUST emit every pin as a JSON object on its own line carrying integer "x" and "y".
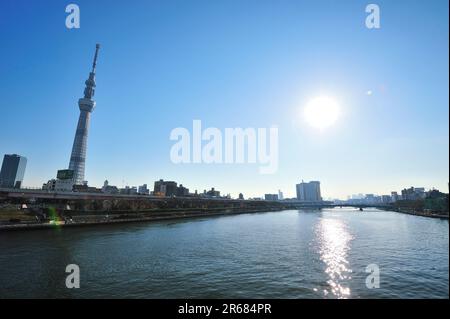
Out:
{"x": 321, "y": 112}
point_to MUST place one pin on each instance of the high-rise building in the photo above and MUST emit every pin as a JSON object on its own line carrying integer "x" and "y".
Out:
{"x": 50, "y": 185}
{"x": 395, "y": 197}
{"x": 13, "y": 170}
{"x": 86, "y": 105}
{"x": 109, "y": 189}
{"x": 413, "y": 193}
{"x": 182, "y": 191}
{"x": 309, "y": 192}
{"x": 128, "y": 190}
{"x": 211, "y": 193}
{"x": 386, "y": 199}
{"x": 165, "y": 188}
{"x": 280, "y": 195}
{"x": 143, "y": 190}
{"x": 271, "y": 197}
{"x": 64, "y": 180}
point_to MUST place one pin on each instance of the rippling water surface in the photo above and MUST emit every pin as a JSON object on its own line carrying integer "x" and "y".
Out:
{"x": 290, "y": 254}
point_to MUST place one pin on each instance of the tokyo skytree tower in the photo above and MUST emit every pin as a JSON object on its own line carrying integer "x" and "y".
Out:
{"x": 86, "y": 104}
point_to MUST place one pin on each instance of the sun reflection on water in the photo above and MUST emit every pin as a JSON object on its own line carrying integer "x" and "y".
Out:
{"x": 334, "y": 241}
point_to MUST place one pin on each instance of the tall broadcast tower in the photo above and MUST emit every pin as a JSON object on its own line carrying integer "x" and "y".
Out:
{"x": 86, "y": 104}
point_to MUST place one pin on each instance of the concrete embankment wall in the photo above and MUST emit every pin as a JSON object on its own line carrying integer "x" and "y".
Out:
{"x": 78, "y": 219}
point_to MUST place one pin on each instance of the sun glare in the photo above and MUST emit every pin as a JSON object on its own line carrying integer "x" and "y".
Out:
{"x": 321, "y": 112}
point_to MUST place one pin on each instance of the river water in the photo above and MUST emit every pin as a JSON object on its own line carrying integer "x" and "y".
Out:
{"x": 289, "y": 254}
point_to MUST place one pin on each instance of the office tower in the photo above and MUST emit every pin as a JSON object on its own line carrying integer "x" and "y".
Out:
{"x": 13, "y": 170}
{"x": 309, "y": 192}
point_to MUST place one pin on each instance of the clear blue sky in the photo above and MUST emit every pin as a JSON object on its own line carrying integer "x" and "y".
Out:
{"x": 231, "y": 64}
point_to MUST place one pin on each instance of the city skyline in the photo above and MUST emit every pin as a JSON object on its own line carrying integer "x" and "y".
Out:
{"x": 305, "y": 191}
{"x": 146, "y": 88}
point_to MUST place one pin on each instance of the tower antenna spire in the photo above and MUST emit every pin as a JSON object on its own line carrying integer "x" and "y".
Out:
{"x": 94, "y": 64}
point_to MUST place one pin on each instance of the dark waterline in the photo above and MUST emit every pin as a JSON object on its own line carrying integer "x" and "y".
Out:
{"x": 289, "y": 254}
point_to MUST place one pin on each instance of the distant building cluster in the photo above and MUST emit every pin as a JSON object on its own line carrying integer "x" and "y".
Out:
{"x": 13, "y": 170}
{"x": 161, "y": 188}
{"x": 172, "y": 189}
{"x": 413, "y": 193}
{"x": 274, "y": 197}
{"x": 409, "y": 194}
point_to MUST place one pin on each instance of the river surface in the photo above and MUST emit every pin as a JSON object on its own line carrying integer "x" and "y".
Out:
{"x": 289, "y": 254}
